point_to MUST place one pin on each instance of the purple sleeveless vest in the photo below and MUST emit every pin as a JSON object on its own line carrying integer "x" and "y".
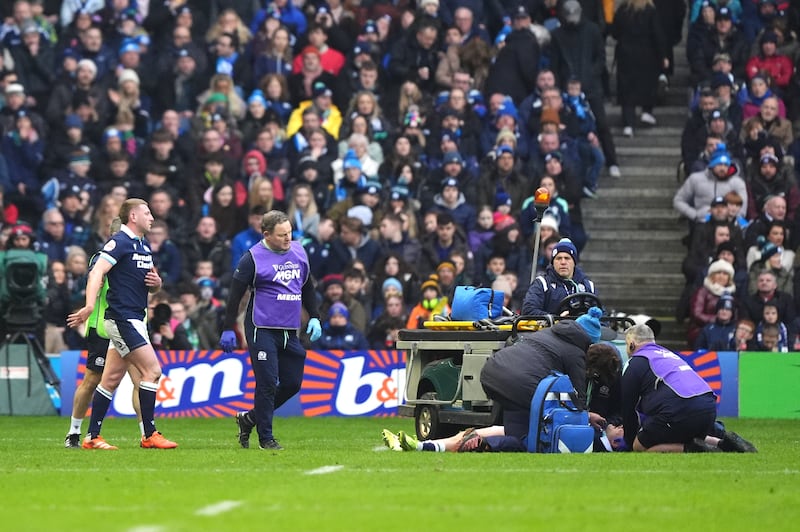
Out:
{"x": 673, "y": 371}
{"x": 278, "y": 286}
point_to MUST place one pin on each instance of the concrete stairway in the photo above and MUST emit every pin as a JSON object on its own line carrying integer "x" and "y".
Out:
{"x": 634, "y": 253}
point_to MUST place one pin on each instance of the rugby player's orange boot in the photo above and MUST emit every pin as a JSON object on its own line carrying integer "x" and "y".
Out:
{"x": 97, "y": 443}
{"x": 157, "y": 441}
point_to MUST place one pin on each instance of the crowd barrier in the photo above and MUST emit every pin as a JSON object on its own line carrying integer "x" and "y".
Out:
{"x": 371, "y": 383}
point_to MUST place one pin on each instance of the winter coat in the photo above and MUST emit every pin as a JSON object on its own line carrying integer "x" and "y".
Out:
{"x": 641, "y": 49}
{"x": 579, "y": 50}
{"x": 516, "y": 66}
{"x": 703, "y": 307}
{"x": 347, "y": 338}
{"x": 693, "y": 199}
{"x": 716, "y": 337}
{"x": 546, "y": 291}
{"x": 512, "y": 374}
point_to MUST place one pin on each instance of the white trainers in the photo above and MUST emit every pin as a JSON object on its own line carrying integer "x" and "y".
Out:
{"x": 614, "y": 172}
{"x": 647, "y": 118}
{"x": 627, "y": 131}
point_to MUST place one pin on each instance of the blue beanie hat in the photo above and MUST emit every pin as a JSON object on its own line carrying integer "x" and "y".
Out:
{"x": 392, "y": 282}
{"x": 720, "y": 156}
{"x": 565, "y": 245}
{"x": 591, "y": 323}
{"x": 338, "y": 308}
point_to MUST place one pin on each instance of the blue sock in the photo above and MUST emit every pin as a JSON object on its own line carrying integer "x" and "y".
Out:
{"x": 429, "y": 446}
{"x": 147, "y": 400}
{"x": 101, "y": 400}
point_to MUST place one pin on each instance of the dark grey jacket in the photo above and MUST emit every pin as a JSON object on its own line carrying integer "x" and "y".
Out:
{"x": 511, "y": 375}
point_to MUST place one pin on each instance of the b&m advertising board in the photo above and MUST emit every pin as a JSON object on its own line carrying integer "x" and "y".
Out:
{"x": 218, "y": 384}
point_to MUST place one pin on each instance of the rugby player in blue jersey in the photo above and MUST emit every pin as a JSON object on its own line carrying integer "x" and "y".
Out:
{"x": 127, "y": 262}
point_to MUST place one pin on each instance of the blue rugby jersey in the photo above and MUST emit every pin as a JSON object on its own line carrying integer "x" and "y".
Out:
{"x": 131, "y": 259}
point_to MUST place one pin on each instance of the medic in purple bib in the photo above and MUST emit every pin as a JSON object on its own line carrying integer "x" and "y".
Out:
{"x": 277, "y": 272}
{"x": 666, "y": 405}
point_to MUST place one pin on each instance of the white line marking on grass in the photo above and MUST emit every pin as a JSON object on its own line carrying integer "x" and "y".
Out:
{"x": 147, "y": 528}
{"x": 218, "y": 508}
{"x": 324, "y": 470}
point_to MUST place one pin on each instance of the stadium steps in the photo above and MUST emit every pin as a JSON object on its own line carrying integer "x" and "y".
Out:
{"x": 634, "y": 252}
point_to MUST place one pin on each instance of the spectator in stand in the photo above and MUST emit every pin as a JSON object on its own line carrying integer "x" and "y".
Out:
{"x": 776, "y": 234}
{"x": 332, "y": 60}
{"x": 448, "y": 238}
{"x": 769, "y": 61}
{"x": 276, "y": 93}
{"x": 272, "y": 50}
{"x": 167, "y": 257}
{"x": 247, "y": 238}
{"x": 484, "y": 228}
{"x": 766, "y": 327}
{"x": 772, "y": 260}
{"x": 452, "y": 201}
{"x": 393, "y": 239}
{"x": 752, "y": 305}
{"x": 504, "y": 176}
{"x": 579, "y": 41}
{"x": 321, "y": 100}
{"x": 743, "y": 337}
{"x": 769, "y": 121}
{"x": 719, "y": 335}
{"x": 33, "y": 61}
{"x": 302, "y": 83}
{"x": 432, "y": 302}
{"x": 23, "y": 150}
{"x": 102, "y": 217}
{"x": 724, "y": 38}
{"x": 771, "y": 177}
{"x": 415, "y": 57}
{"x": 520, "y": 47}
{"x": 717, "y": 127}
{"x": 382, "y": 334}
{"x": 774, "y": 210}
{"x": 339, "y": 333}
{"x": 752, "y": 98}
{"x": 353, "y": 242}
{"x": 207, "y": 245}
{"x": 704, "y": 300}
{"x": 723, "y": 88}
{"x": 759, "y": 15}
{"x": 694, "y": 197}
{"x": 52, "y": 238}
{"x": 333, "y": 292}
{"x": 641, "y": 54}
{"x": 15, "y": 101}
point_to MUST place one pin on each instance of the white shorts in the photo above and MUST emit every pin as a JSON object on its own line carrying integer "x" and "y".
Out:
{"x": 127, "y": 335}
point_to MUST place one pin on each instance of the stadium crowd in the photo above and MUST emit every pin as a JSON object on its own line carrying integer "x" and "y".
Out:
{"x": 739, "y": 156}
{"x": 403, "y": 139}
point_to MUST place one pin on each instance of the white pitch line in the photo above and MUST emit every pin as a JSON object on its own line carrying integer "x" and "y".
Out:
{"x": 218, "y": 508}
{"x": 324, "y": 470}
{"x": 147, "y": 528}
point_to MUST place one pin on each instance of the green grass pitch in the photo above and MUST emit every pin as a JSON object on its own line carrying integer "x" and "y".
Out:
{"x": 336, "y": 475}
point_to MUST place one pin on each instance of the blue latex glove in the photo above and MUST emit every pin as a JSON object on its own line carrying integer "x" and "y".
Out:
{"x": 314, "y": 329}
{"x": 227, "y": 341}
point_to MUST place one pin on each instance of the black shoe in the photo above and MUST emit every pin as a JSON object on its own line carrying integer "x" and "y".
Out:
{"x": 72, "y": 441}
{"x": 271, "y": 445}
{"x": 245, "y": 428}
{"x": 733, "y": 443}
{"x": 698, "y": 445}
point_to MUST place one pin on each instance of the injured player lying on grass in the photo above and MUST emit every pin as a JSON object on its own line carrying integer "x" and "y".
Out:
{"x": 493, "y": 439}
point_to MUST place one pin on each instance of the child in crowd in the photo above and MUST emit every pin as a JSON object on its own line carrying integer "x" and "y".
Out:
{"x": 771, "y": 333}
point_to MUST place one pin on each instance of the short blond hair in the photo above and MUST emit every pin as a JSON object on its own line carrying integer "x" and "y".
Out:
{"x": 127, "y": 207}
